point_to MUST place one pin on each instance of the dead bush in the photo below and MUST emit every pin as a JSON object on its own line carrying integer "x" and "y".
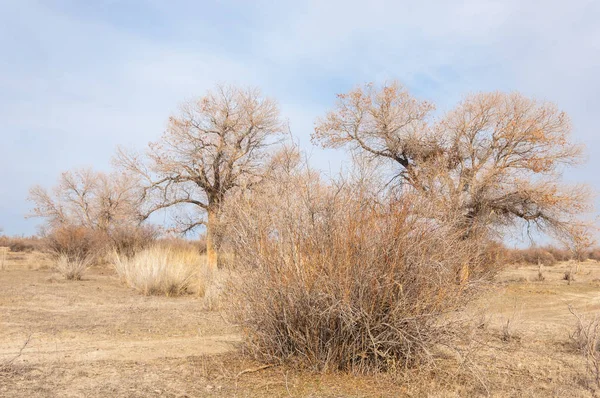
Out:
{"x": 21, "y": 244}
{"x": 569, "y": 276}
{"x": 559, "y": 254}
{"x": 127, "y": 241}
{"x": 586, "y": 337}
{"x": 533, "y": 256}
{"x": 74, "y": 249}
{"x": 333, "y": 279}
{"x": 178, "y": 243}
{"x": 594, "y": 254}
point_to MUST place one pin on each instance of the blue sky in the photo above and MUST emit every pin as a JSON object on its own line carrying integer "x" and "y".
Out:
{"x": 78, "y": 78}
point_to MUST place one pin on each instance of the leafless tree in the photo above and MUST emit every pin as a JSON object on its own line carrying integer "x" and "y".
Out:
{"x": 88, "y": 198}
{"x": 212, "y": 146}
{"x": 497, "y": 158}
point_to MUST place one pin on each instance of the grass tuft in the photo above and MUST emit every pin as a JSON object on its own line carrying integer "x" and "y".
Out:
{"x": 160, "y": 270}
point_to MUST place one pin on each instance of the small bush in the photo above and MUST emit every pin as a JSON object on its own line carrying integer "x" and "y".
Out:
{"x": 21, "y": 244}
{"x": 586, "y": 338}
{"x": 127, "y": 241}
{"x": 569, "y": 276}
{"x": 75, "y": 242}
{"x": 72, "y": 268}
{"x": 74, "y": 249}
{"x": 159, "y": 270}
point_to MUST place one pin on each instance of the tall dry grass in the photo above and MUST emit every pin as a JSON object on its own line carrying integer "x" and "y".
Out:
{"x": 161, "y": 270}
{"x": 72, "y": 267}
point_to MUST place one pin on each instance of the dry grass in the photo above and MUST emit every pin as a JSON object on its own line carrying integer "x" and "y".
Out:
{"x": 72, "y": 267}
{"x": 161, "y": 270}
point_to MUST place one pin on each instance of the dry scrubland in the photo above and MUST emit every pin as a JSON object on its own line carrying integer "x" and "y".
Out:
{"x": 98, "y": 337}
{"x": 382, "y": 281}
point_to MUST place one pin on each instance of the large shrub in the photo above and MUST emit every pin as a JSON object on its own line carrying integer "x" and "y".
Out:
{"x": 335, "y": 279}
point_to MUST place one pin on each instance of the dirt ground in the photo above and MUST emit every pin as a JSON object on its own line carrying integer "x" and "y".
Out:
{"x": 99, "y": 338}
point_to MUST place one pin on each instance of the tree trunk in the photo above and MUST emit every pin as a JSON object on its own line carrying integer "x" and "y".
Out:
{"x": 212, "y": 255}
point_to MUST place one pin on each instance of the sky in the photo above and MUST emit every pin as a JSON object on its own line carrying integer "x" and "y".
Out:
{"x": 79, "y": 78}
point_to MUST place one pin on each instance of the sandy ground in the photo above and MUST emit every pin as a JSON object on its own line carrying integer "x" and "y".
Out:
{"x": 98, "y": 338}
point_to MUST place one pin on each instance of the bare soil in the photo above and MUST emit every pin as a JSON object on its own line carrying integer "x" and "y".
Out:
{"x": 99, "y": 338}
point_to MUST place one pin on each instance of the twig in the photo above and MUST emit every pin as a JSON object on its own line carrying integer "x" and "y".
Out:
{"x": 252, "y": 370}
{"x": 8, "y": 363}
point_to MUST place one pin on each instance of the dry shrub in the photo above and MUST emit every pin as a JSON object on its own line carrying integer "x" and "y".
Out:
{"x": 549, "y": 255}
{"x": 559, "y": 254}
{"x": 569, "y": 276}
{"x": 333, "y": 279}
{"x": 160, "y": 270}
{"x": 127, "y": 241}
{"x": 532, "y": 255}
{"x": 74, "y": 249}
{"x": 178, "y": 243}
{"x": 594, "y": 254}
{"x": 21, "y": 244}
{"x": 586, "y": 338}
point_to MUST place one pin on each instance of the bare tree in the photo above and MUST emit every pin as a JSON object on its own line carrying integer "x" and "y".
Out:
{"x": 212, "y": 146}
{"x": 88, "y": 198}
{"x": 496, "y": 158}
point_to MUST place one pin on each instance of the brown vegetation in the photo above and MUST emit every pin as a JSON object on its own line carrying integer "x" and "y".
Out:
{"x": 337, "y": 278}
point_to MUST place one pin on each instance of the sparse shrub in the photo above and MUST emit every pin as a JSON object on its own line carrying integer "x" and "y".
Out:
{"x": 510, "y": 326}
{"x": 160, "y": 270}
{"x": 334, "y": 280}
{"x": 540, "y": 276}
{"x": 533, "y": 256}
{"x": 586, "y": 338}
{"x": 127, "y": 241}
{"x": 75, "y": 241}
{"x": 594, "y": 254}
{"x": 559, "y": 254}
{"x": 21, "y": 244}
{"x": 569, "y": 276}
{"x": 74, "y": 249}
